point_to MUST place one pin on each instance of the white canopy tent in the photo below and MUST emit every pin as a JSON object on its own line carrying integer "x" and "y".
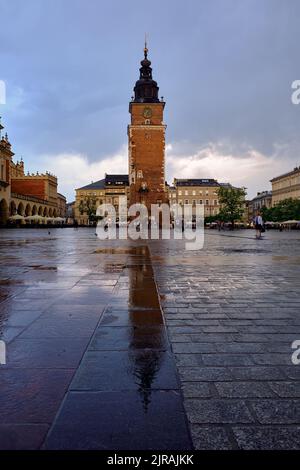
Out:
{"x": 35, "y": 218}
{"x": 16, "y": 217}
{"x": 291, "y": 222}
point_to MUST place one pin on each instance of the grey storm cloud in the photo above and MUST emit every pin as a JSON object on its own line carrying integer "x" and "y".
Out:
{"x": 224, "y": 67}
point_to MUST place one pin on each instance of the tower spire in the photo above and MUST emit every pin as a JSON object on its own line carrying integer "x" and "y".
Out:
{"x": 145, "y": 48}
{"x": 146, "y": 89}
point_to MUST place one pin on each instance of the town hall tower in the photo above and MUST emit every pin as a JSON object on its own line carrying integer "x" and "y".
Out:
{"x": 146, "y": 140}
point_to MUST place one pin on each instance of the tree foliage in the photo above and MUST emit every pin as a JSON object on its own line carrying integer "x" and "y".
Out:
{"x": 88, "y": 206}
{"x": 211, "y": 218}
{"x": 288, "y": 209}
{"x": 232, "y": 201}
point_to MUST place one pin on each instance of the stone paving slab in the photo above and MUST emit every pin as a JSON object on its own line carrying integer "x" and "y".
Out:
{"x": 99, "y": 421}
{"x": 124, "y": 370}
{"x": 29, "y": 396}
{"x": 22, "y": 436}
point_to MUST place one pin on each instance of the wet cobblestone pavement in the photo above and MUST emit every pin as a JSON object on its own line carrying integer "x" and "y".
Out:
{"x": 233, "y": 311}
{"x": 94, "y": 362}
{"x": 89, "y": 364}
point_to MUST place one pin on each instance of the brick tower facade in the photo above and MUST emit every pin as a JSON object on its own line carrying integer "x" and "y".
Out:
{"x": 146, "y": 140}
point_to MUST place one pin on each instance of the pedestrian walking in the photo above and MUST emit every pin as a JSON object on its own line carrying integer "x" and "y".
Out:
{"x": 258, "y": 222}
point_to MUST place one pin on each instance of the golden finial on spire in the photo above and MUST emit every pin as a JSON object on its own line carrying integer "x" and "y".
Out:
{"x": 145, "y": 48}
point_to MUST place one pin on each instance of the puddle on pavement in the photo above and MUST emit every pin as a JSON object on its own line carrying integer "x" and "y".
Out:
{"x": 147, "y": 344}
{"x": 9, "y": 282}
{"x": 132, "y": 250}
{"x": 145, "y": 369}
{"x": 41, "y": 267}
{"x": 290, "y": 259}
{"x": 243, "y": 250}
{"x": 114, "y": 251}
{"x": 158, "y": 258}
{"x": 114, "y": 267}
{"x": 22, "y": 242}
{"x": 4, "y": 294}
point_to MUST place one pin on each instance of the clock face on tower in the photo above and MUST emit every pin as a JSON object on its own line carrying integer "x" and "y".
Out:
{"x": 147, "y": 113}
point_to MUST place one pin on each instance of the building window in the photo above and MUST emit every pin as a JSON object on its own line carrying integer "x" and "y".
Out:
{"x": 215, "y": 202}
{"x": 186, "y": 193}
{"x": 207, "y": 202}
{"x": 179, "y": 193}
{"x": 186, "y": 201}
{"x": 200, "y": 201}
{"x": 194, "y": 193}
{"x": 139, "y": 174}
{"x": 2, "y": 172}
{"x": 194, "y": 202}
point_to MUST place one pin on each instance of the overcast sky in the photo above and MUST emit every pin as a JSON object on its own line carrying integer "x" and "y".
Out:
{"x": 224, "y": 67}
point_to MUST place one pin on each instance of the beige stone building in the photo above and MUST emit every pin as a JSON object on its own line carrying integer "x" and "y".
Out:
{"x": 261, "y": 200}
{"x": 61, "y": 205}
{"x": 286, "y": 186}
{"x": 71, "y": 211}
{"x": 109, "y": 190}
{"x": 196, "y": 191}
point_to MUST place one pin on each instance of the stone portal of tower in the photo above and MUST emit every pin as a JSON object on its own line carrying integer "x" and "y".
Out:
{"x": 146, "y": 140}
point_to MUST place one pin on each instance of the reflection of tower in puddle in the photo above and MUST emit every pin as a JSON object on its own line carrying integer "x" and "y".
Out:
{"x": 147, "y": 346}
